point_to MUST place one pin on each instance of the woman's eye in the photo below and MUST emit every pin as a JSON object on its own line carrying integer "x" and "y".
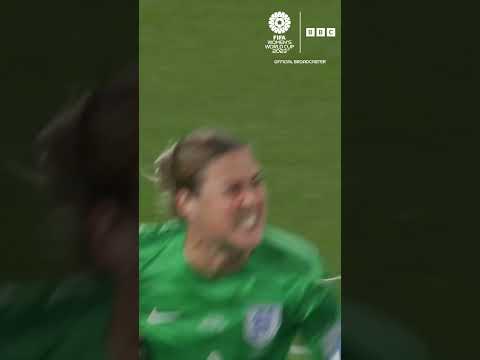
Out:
{"x": 234, "y": 189}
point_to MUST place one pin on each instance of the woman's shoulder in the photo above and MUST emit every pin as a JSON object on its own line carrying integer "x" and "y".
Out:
{"x": 156, "y": 238}
{"x": 292, "y": 248}
{"x": 160, "y": 230}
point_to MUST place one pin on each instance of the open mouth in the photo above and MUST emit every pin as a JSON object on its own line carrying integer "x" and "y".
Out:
{"x": 248, "y": 222}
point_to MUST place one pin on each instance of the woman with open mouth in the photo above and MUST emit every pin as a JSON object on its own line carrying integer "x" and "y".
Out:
{"x": 217, "y": 282}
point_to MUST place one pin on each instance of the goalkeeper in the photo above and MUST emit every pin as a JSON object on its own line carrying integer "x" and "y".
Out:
{"x": 217, "y": 282}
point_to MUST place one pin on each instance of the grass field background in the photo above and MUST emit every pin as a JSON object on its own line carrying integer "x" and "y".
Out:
{"x": 206, "y": 66}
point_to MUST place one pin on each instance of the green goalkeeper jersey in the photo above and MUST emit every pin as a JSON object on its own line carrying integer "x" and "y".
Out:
{"x": 252, "y": 314}
{"x": 55, "y": 320}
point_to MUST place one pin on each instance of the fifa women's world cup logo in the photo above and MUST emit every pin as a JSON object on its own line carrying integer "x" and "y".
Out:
{"x": 279, "y": 22}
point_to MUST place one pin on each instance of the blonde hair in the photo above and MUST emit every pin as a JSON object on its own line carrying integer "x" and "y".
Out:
{"x": 181, "y": 165}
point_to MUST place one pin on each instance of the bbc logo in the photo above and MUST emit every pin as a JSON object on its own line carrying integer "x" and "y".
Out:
{"x": 320, "y": 32}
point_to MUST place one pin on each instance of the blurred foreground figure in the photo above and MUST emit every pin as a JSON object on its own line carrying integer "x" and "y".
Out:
{"x": 217, "y": 283}
{"x": 88, "y": 308}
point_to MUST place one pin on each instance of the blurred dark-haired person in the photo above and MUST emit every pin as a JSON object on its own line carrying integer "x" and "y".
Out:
{"x": 87, "y": 306}
{"x": 216, "y": 282}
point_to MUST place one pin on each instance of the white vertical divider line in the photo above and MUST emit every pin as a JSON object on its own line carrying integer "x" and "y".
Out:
{"x": 300, "y": 33}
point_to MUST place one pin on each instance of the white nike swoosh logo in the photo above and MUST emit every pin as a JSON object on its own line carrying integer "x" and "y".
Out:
{"x": 162, "y": 317}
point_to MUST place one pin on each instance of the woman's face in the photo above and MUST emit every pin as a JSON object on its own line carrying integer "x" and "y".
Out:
{"x": 112, "y": 239}
{"x": 229, "y": 207}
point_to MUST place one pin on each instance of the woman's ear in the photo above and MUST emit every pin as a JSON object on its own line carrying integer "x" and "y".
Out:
{"x": 101, "y": 218}
{"x": 112, "y": 239}
{"x": 185, "y": 203}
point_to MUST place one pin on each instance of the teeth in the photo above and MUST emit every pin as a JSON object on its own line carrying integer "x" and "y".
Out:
{"x": 249, "y": 222}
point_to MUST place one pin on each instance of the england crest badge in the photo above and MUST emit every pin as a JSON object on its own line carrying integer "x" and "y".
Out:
{"x": 262, "y": 323}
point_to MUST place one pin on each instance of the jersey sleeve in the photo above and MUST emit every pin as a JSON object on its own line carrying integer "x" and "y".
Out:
{"x": 147, "y": 252}
{"x": 318, "y": 316}
{"x": 153, "y": 240}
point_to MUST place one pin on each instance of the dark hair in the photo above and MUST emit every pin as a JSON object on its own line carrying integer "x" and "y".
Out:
{"x": 180, "y": 166}
{"x": 89, "y": 152}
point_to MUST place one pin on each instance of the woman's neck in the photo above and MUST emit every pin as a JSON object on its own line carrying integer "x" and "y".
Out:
{"x": 213, "y": 258}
